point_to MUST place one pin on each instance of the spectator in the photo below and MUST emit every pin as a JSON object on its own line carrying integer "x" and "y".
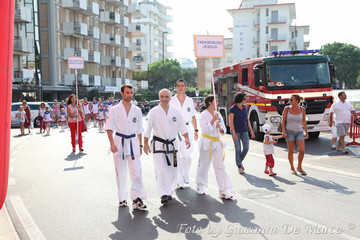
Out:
{"x": 240, "y": 126}
{"x": 74, "y": 111}
{"x": 343, "y": 111}
{"x": 56, "y": 108}
{"x": 41, "y": 116}
{"x": 293, "y": 126}
{"x": 27, "y": 110}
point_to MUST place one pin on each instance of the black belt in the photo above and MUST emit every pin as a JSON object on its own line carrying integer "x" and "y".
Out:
{"x": 166, "y": 143}
{"x": 123, "y": 136}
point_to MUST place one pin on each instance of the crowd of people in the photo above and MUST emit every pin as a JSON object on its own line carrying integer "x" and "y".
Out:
{"x": 172, "y": 128}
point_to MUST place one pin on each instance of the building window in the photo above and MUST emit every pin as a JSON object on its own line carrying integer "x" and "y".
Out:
{"x": 295, "y": 33}
{"x": 266, "y": 47}
{"x": 267, "y": 29}
{"x": 267, "y": 12}
{"x": 292, "y": 34}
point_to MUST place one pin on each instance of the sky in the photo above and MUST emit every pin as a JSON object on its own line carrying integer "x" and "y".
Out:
{"x": 329, "y": 21}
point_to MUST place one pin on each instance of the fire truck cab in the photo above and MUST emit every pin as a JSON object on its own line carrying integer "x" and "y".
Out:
{"x": 269, "y": 83}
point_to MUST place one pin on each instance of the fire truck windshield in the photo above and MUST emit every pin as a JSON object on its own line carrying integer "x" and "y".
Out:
{"x": 295, "y": 76}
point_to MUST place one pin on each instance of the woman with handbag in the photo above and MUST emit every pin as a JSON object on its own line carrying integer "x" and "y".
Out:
{"x": 75, "y": 111}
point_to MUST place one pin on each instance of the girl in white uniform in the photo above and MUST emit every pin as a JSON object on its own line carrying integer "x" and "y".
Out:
{"x": 47, "y": 120}
{"x": 106, "y": 112}
{"x": 87, "y": 112}
{"x": 212, "y": 149}
{"x": 101, "y": 118}
{"x": 62, "y": 119}
{"x": 94, "y": 110}
{"x": 21, "y": 115}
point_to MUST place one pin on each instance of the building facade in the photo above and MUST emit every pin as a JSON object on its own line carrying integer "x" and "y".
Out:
{"x": 263, "y": 26}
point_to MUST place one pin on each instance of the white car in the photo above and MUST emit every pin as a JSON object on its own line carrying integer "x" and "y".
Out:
{"x": 34, "y": 107}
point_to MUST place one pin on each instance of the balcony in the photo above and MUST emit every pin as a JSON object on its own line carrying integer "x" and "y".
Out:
{"x": 110, "y": 17}
{"x": 125, "y": 62}
{"x": 169, "y": 42}
{"x": 138, "y": 66}
{"x": 137, "y": 11}
{"x": 70, "y": 52}
{"x": 23, "y": 45}
{"x": 124, "y": 22}
{"x": 137, "y": 30}
{"x": 94, "y": 80}
{"x": 92, "y": 9}
{"x": 110, "y": 61}
{"x": 94, "y": 32}
{"x": 165, "y": 17}
{"x": 22, "y": 14}
{"x": 75, "y": 29}
{"x": 94, "y": 57}
{"x": 278, "y": 20}
{"x": 118, "y": 3}
{"x": 138, "y": 59}
{"x": 77, "y": 5}
{"x": 125, "y": 42}
{"x": 138, "y": 48}
{"x": 70, "y": 78}
{"x": 278, "y": 38}
{"x": 111, "y": 39}
{"x": 113, "y": 82}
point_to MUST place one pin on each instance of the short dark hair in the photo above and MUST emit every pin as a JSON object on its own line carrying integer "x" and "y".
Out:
{"x": 181, "y": 80}
{"x": 340, "y": 93}
{"x": 126, "y": 85}
{"x": 239, "y": 97}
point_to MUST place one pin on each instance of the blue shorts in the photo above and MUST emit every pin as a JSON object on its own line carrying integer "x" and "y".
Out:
{"x": 292, "y": 136}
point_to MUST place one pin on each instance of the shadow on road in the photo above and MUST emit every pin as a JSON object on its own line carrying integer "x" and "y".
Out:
{"x": 73, "y": 156}
{"x": 263, "y": 183}
{"x": 138, "y": 226}
{"x": 328, "y": 185}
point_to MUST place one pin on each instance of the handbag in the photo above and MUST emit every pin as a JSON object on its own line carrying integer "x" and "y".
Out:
{"x": 83, "y": 127}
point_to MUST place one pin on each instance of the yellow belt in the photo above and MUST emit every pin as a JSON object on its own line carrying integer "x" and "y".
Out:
{"x": 212, "y": 140}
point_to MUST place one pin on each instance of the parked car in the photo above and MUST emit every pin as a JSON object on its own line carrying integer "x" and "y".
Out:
{"x": 34, "y": 107}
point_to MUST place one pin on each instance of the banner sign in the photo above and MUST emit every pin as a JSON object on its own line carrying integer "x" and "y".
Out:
{"x": 76, "y": 62}
{"x": 209, "y": 46}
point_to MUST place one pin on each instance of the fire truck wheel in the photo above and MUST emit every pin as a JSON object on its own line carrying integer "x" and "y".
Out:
{"x": 259, "y": 136}
{"x": 314, "y": 135}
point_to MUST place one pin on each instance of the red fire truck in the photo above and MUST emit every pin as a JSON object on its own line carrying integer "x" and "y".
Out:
{"x": 269, "y": 83}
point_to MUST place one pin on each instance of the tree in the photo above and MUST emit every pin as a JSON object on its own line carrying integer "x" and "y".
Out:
{"x": 346, "y": 58}
{"x": 190, "y": 76}
{"x": 93, "y": 93}
{"x": 140, "y": 76}
{"x": 172, "y": 74}
{"x": 82, "y": 89}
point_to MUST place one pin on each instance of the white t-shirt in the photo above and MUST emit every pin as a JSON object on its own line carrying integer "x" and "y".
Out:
{"x": 342, "y": 111}
{"x": 268, "y": 148}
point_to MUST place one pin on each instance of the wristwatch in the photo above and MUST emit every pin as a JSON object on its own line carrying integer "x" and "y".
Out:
{"x": 141, "y": 145}
{"x": 196, "y": 130}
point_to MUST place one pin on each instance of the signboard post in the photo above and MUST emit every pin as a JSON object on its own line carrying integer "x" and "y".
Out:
{"x": 209, "y": 46}
{"x": 76, "y": 63}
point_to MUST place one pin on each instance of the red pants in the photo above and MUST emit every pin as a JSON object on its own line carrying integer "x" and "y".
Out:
{"x": 42, "y": 124}
{"x": 269, "y": 161}
{"x": 73, "y": 130}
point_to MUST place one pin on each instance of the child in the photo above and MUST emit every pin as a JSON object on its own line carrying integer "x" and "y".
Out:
{"x": 334, "y": 135}
{"x": 62, "y": 119}
{"x": 21, "y": 115}
{"x": 47, "y": 120}
{"x": 101, "y": 118}
{"x": 269, "y": 149}
{"x": 106, "y": 112}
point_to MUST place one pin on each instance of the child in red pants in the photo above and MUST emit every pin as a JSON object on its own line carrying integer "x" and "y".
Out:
{"x": 269, "y": 149}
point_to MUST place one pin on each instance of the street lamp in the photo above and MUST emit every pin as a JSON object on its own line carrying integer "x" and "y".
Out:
{"x": 163, "y": 53}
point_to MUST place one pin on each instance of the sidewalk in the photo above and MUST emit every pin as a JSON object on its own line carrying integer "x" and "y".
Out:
{"x": 7, "y": 230}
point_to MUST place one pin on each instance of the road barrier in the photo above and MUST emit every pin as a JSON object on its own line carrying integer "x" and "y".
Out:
{"x": 354, "y": 130}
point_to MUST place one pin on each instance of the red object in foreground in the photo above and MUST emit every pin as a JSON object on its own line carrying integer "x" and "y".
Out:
{"x": 6, "y": 62}
{"x": 354, "y": 131}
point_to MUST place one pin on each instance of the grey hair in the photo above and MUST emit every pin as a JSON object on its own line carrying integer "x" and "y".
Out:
{"x": 165, "y": 90}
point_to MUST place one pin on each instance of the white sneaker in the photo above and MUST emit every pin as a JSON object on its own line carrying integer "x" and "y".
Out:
{"x": 138, "y": 204}
{"x": 333, "y": 146}
{"x": 200, "y": 190}
{"x": 226, "y": 195}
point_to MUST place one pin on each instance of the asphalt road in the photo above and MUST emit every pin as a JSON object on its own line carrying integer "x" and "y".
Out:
{"x": 56, "y": 194}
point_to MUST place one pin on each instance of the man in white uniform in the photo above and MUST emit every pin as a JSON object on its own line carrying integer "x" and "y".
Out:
{"x": 186, "y": 106}
{"x": 125, "y": 121}
{"x": 343, "y": 111}
{"x": 165, "y": 122}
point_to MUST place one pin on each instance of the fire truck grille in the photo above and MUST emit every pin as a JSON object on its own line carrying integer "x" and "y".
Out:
{"x": 312, "y": 106}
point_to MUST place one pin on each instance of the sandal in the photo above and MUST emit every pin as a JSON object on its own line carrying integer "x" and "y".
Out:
{"x": 272, "y": 174}
{"x": 293, "y": 172}
{"x": 345, "y": 151}
{"x": 302, "y": 172}
{"x": 266, "y": 172}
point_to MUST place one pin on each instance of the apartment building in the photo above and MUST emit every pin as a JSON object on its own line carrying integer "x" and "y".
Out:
{"x": 263, "y": 26}
{"x": 24, "y": 81}
{"x": 149, "y": 32}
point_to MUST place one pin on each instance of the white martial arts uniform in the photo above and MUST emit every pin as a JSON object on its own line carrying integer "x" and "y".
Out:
{"x": 119, "y": 122}
{"x": 165, "y": 126}
{"x": 184, "y": 160}
{"x": 217, "y": 150}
